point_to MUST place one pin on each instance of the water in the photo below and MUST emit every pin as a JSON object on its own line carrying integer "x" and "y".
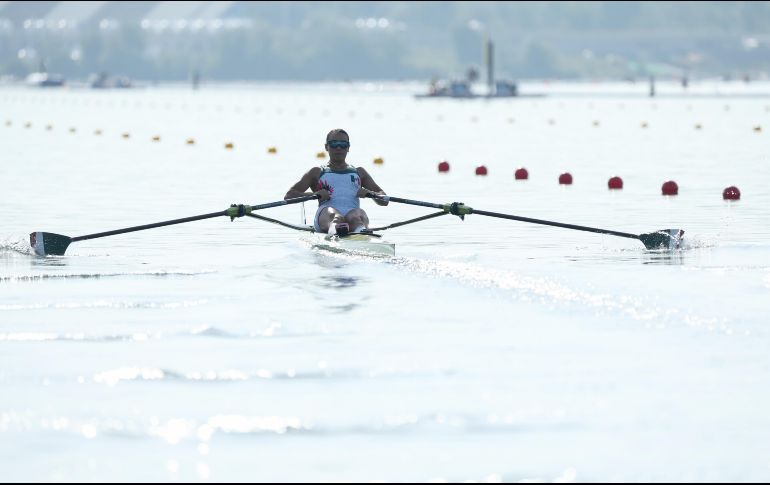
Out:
{"x": 486, "y": 350}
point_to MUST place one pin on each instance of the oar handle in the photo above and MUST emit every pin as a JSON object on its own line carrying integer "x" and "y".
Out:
{"x": 295, "y": 200}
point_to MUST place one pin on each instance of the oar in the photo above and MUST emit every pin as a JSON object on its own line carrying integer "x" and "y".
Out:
{"x": 45, "y": 243}
{"x": 663, "y": 239}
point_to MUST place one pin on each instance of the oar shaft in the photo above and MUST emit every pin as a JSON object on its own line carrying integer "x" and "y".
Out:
{"x": 149, "y": 226}
{"x": 470, "y": 210}
{"x": 556, "y": 224}
{"x": 192, "y": 218}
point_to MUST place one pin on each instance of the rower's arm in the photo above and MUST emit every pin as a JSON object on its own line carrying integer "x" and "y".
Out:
{"x": 368, "y": 183}
{"x": 306, "y": 182}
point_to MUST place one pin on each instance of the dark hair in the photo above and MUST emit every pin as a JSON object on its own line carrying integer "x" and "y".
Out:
{"x": 337, "y": 131}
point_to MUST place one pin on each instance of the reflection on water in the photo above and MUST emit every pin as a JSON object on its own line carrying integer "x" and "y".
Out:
{"x": 674, "y": 257}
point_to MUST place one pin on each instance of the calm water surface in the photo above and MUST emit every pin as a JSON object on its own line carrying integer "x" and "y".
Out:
{"x": 486, "y": 350}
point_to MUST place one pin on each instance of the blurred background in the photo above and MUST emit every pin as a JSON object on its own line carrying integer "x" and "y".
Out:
{"x": 117, "y": 42}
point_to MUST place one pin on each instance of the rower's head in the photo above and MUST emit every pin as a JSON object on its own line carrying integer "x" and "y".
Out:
{"x": 337, "y": 144}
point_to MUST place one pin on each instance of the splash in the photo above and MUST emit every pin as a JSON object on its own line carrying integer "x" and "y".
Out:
{"x": 18, "y": 245}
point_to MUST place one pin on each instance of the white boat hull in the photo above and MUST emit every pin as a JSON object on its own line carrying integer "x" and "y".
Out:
{"x": 361, "y": 243}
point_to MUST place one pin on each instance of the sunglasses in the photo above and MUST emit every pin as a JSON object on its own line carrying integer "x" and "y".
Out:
{"x": 338, "y": 144}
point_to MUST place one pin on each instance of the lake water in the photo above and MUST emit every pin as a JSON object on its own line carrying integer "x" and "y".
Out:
{"x": 485, "y": 350}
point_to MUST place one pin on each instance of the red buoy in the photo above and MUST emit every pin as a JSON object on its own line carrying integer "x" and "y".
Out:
{"x": 443, "y": 166}
{"x": 615, "y": 183}
{"x": 731, "y": 193}
{"x": 565, "y": 178}
{"x": 670, "y": 188}
{"x": 481, "y": 170}
{"x": 521, "y": 174}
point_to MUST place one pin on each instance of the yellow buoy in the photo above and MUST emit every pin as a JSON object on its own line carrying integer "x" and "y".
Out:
{"x": 97, "y": 132}
{"x": 320, "y": 155}
{"x": 156, "y": 138}
{"x": 758, "y": 129}
{"x": 229, "y": 146}
{"x": 379, "y": 161}
{"x": 126, "y": 135}
{"x": 272, "y": 150}
{"x": 191, "y": 141}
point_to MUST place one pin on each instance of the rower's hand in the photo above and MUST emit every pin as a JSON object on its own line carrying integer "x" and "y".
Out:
{"x": 362, "y": 192}
{"x": 323, "y": 195}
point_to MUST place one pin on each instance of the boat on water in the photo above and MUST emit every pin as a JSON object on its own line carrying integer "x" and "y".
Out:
{"x": 368, "y": 241}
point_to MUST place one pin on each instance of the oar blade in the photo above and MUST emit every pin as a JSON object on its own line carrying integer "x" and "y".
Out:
{"x": 48, "y": 243}
{"x": 663, "y": 239}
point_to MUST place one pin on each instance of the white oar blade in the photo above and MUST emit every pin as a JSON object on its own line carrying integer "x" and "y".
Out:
{"x": 45, "y": 243}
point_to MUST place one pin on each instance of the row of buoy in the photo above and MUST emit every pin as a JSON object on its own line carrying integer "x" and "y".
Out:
{"x": 595, "y": 123}
{"x": 191, "y": 141}
{"x": 157, "y": 138}
{"x": 669, "y": 187}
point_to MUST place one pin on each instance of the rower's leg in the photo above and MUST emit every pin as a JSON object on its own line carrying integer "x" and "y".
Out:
{"x": 357, "y": 218}
{"x": 327, "y": 217}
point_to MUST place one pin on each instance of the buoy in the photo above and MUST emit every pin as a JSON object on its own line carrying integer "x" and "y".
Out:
{"x": 565, "y": 178}
{"x": 644, "y": 124}
{"x": 229, "y": 146}
{"x": 156, "y": 138}
{"x": 758, "y": 129}
{"x": 8, "y": 123}
{"x": 596, "y": 123}
{"x": 191, "y": 141}
{"x": 670, "y": 188}
{"x": 48, "y": 127}
{"x": 126, "y": 135}
{"x": 443, "y": 166}
{"x": 73, "y": 130}
{"x": 615, "y": 183}
{"x": 379, "y": 161}
{"x": 97, "y": 132}
{"x": 521, "y": 174}
{"x": 481, "y": 170}
{"x": 731, "y": 193}
{"x": 27, "y": 125}
{"x": 698, "y": 126}
{"x": 320, "y": 155}
{"x": 272, "y": 150}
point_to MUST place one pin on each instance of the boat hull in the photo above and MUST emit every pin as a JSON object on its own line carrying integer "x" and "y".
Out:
{"x": 357, "y": 243}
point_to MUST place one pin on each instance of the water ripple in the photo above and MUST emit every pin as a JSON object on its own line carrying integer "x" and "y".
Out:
{"x": 134, "y": 374}
{"x": 53, "y": 276}
{"x": 118, "y": 305}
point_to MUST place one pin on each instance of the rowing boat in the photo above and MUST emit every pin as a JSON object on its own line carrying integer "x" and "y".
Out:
{"x": 48, "y": 243}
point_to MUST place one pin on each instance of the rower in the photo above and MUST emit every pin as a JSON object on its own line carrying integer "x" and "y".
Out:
{"x": 339, "y": 186}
